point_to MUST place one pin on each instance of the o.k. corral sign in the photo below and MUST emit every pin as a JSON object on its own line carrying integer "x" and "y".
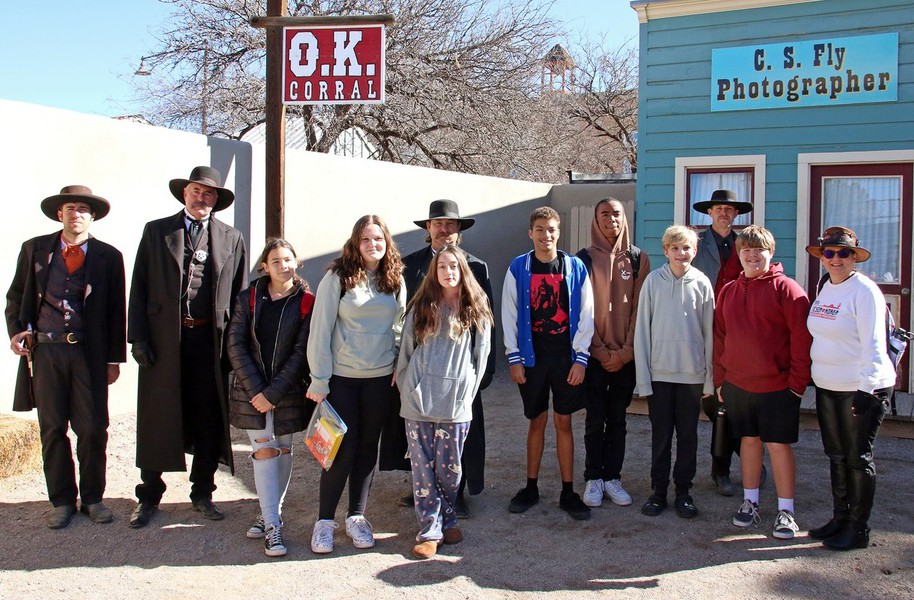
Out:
{"x": 333, "y": 64}
{"x": 826, "y": 72}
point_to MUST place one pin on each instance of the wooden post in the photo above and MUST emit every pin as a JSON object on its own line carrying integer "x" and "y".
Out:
{"x": 275, "y": 127}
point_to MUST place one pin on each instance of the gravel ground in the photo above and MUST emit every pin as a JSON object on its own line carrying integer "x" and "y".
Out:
{"x": 617, "y": 553}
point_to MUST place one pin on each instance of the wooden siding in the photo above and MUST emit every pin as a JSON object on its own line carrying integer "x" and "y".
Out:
{"x": 675, "y": 119}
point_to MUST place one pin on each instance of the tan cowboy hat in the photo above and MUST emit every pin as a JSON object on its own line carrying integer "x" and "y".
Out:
{"x": 723, "y": 197}
{"x": 75, "y": 193}
{"x": 839, "y": 237}
{"x": 445, "y": 209}
{"x": 207, "y": 176}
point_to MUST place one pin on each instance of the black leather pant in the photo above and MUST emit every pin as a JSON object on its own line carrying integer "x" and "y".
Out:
{"x": 848, "y": 442}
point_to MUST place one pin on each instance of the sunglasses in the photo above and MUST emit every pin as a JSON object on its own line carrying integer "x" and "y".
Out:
{"x": 843, "y": 253}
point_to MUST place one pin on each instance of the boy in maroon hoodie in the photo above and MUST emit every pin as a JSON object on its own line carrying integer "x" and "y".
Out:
{"x": 761, "y": 369}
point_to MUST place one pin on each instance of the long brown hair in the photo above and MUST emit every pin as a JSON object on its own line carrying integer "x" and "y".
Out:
{"x": 473, "y": 310}
{"x": 351, "y": 269}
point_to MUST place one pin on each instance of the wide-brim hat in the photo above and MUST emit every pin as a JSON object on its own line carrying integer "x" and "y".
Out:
{"x": 75, "y": 193}
{"x": 723, "y": 197}
{"x": 445, "y": 209}
{"x": 840, "y": 237}
{"x": 207, "y": 176}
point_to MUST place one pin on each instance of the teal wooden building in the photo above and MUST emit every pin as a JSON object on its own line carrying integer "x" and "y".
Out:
{"x": 803, "y": 107}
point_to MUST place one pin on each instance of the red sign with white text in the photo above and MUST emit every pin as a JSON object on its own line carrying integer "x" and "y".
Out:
{"x": 333, "y": 65}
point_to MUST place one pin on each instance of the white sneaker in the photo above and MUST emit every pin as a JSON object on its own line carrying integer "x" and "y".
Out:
{"x": 359, "y": 529}
{"x": 322, "y": 536}
{"x": 613, "y": 490}
{"x": 593, "y": 492}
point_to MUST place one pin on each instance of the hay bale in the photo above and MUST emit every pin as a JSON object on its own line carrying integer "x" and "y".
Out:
{"x": 20, "y": 446}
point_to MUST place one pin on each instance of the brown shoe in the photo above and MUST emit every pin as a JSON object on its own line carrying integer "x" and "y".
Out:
{"x": 426, "y": 549}
{"x": 59, "y": 516}
{"x": 453, "y": 535}
{"x": 98, "y": 512}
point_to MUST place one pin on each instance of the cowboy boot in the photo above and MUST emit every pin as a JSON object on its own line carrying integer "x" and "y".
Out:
{"x": 856, "y": 533}
{"x": 839, "y": 500}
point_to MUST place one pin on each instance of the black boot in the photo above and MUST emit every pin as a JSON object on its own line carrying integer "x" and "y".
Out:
{"x": 854, "y": 535}
{"x": 830, "y": 529}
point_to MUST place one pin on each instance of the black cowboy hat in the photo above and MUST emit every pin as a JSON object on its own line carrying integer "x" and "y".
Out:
{"x": 445, "y": 209}
{"x": 723, "y": 197}
{"x": 75, "y": 193}
{"x": 839, "y": 237}
{"x": 207, "y": 176}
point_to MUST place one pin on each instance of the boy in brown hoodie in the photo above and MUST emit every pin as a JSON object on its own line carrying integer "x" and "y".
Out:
{"x": 617, "y": 269}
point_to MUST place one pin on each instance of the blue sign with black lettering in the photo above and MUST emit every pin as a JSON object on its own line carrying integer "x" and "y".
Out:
{"x": 848, "y": 70}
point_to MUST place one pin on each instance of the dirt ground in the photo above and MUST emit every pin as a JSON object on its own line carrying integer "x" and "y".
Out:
{"x": 617, "y": 553}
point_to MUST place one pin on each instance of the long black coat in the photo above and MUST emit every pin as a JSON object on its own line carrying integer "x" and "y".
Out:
{"x": 103, "y": 310}
{"x": 286, "y": 390}
{"x": 393, "y": 436}
{"x": 154, "y": 316}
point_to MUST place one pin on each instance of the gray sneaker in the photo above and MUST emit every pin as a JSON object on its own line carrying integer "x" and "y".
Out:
{"x": 747, "y": 515}
{"x": 785, "y": 525}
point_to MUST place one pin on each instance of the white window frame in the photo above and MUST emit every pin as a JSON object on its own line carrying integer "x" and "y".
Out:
{"x": 755, "y": 162}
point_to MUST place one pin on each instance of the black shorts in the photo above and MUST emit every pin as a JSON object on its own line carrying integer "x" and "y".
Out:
{"x": 550, "y": 372}
{"x": 772, "y": 416}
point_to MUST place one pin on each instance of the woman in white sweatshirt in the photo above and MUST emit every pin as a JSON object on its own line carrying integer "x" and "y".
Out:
{"x": 854, "y": 378}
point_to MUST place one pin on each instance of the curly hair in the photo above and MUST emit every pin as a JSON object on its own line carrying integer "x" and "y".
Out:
{"x": 350, "y": 267}
{"x": 473, "y": 312}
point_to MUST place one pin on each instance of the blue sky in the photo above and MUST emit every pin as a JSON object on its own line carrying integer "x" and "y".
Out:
{"x": 81, "y": 55}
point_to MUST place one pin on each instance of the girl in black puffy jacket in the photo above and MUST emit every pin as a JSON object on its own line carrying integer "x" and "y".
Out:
{"x": 267, "y": 343}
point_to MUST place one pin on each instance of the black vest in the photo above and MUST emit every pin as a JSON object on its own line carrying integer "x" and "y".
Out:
{"x": 197, "y": 280}
{"x": 61, "y": 309}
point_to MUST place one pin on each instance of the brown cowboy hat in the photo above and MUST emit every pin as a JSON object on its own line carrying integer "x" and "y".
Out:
{"x": 207, "y": 176}
{"x": 840, "y": 237}
{"x": 75, "y": 193}
{"x": 723, "y": 197}
{"x": 445, "y": 209}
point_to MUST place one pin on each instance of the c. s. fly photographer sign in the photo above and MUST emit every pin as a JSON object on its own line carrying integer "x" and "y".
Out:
{"x": 850, "y": 70}
{"x": 333, "y": 64}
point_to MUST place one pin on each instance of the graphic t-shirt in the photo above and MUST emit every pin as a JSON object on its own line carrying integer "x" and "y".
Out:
{"x": 549, "y": 308}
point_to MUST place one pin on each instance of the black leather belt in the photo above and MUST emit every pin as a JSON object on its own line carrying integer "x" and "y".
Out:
{"x": 57, "y": 338}
{"x": 191, "y": 323}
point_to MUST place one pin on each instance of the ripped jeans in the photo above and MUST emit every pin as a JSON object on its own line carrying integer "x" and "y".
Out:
{"x": 272, "y": 459}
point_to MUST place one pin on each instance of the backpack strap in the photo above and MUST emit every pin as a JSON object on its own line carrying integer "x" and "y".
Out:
{"x": 253, "y": 300}
{"x": 307, "y": 302}
{"x": 635, "y": 252}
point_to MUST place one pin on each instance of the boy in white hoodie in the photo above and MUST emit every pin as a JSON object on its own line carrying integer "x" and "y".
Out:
{"x": 673, "y": 354}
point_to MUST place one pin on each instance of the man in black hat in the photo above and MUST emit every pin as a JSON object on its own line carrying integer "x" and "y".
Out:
{"x": 65, "y": 315}
{"x": 189, "y": 268}
{"x": 443, "y": 226}
{"x": 717, "y": 258}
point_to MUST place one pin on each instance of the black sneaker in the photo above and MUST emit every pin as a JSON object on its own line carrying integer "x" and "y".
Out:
{"x": 685, "y": 508}
{"x": 654, "y": 506}
{"x": 524, "y": 499}
{"x": 572, "y": 504}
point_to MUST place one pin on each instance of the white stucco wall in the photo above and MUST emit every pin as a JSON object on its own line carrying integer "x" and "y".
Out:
{"x": 130, "y": 164}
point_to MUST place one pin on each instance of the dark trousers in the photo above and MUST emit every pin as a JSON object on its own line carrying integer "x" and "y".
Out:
{"x": 848, "y": 443}
{"x": 608, "y": 397}
{"x": 63, "y": 395}
{"x": 203, "y": 421}
{"x": 673, "y": 407}
{"x": 362, "y": 404}
{"x": 473, "y": 461}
